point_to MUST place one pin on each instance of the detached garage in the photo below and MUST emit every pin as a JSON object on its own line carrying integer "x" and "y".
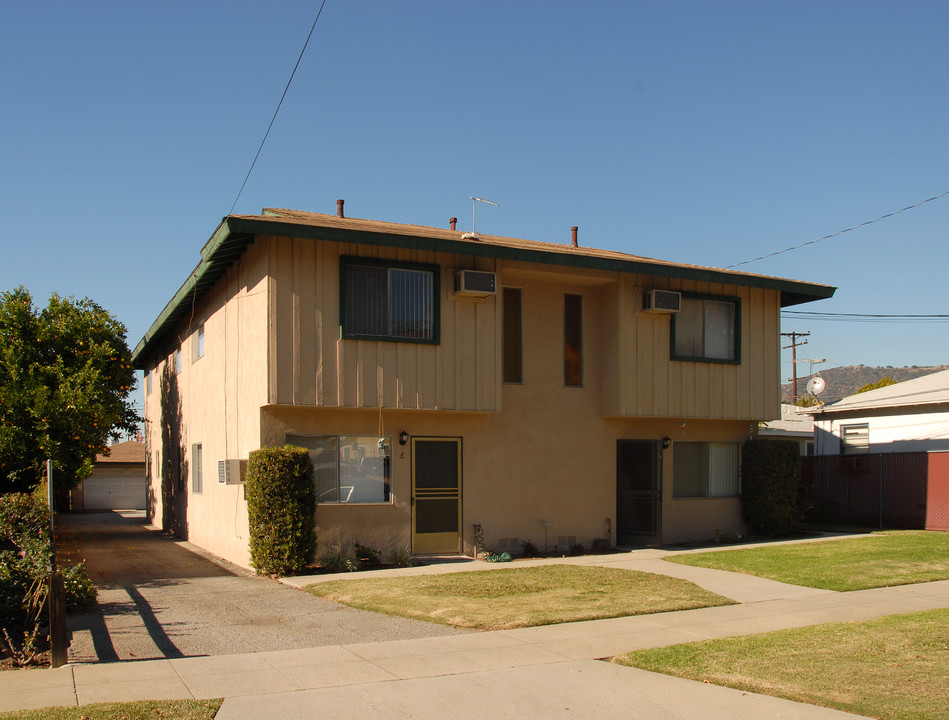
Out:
{"x": 117, "y": 483}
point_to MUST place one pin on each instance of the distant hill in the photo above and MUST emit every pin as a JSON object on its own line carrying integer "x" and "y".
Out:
{"x": 844, "y": 381}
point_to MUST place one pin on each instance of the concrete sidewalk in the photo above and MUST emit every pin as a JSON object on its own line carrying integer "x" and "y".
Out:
{"x": 547, "y": 671}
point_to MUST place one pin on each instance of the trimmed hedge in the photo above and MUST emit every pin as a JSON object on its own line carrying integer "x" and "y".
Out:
{"x": 770, "y": 482}
{"x": 281, "y": 504}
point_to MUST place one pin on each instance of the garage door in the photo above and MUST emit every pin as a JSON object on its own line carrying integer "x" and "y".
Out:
{"x": 114, "y": 491}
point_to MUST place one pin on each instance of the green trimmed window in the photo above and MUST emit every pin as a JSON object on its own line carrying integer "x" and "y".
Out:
{"x": 389, "y": 301}
{"x": 706, "y": 470}
{"x": 349, "y": 469}
{"x": 706, "y": 328}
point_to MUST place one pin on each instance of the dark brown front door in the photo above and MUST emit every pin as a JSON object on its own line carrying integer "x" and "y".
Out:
{"x": 638, "y": 495}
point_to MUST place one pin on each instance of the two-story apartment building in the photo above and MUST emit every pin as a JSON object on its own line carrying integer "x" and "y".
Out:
{"x": 458, "y": 391}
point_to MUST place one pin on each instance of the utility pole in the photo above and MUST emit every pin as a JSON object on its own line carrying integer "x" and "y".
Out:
{"x": 793, "y": 347}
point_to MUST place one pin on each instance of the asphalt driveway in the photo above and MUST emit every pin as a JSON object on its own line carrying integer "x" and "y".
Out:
{"x": 160, "y": 598}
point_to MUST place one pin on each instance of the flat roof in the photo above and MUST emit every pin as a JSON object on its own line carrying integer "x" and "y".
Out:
{"x": 236, "y": 232}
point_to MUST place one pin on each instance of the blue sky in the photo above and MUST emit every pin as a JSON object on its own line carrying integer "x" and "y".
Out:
{"x": 700, "y": 132}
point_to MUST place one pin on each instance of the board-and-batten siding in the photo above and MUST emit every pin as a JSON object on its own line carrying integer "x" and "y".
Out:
{"x": 312, "y": 366}
{"x": 650, "y": 385}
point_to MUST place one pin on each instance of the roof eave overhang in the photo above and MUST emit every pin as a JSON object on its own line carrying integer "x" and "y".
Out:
{"x": 896, "y": 409}
{"x": 792, "y": 292}
{"x": 235, "y": 233}
{"x": 221, "y": 251}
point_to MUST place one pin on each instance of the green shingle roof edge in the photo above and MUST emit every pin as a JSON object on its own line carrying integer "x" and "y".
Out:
{"x": 236, "y": 232}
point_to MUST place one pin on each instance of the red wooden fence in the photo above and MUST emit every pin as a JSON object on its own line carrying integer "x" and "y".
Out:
{"x": 896, "y": 490}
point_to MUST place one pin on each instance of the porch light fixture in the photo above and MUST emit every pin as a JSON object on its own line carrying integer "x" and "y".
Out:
{"x": 403, "y": 437}
{"x": 666, "y": 442}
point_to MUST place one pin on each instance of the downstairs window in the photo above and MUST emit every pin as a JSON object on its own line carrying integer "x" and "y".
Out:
{"x": 349, "y": 468}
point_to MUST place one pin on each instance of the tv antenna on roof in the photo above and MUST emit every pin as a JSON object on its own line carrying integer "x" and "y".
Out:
{"x": 474, "y": 205}
{"x": 811, "y": 363}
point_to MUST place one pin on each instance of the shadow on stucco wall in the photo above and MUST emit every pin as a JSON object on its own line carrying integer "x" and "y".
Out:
{"x": 173, "y": 462}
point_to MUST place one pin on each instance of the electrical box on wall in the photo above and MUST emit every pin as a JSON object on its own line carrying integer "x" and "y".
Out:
{"x": 662, "y": 301}
{"x": 231, "y": 472}
{"x": 475, "y": 283}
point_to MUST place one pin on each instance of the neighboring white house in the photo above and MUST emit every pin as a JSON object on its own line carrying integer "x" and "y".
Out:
{"x": 795, "y": 424}
{"x": 911, "y": 416}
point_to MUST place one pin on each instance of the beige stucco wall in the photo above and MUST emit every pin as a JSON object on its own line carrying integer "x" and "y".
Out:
{"x": 533, "y": 453}
{"x": 548, "y": 457}
{"x": 220, "y": 397}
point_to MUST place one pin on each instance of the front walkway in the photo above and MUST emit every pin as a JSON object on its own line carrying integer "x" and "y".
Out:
{"x": 548, "y": 671}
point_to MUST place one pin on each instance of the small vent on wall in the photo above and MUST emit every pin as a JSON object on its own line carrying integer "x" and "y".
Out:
{"x": 509, "y": 545}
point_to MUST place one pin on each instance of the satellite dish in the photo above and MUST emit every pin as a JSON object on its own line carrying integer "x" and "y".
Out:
{"x": 816, "y": 385}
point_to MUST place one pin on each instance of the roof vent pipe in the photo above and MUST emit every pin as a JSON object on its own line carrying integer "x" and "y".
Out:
{"x": 573, "y": 231}
{"x": 339, "y": 208}
{"x": 453, "y": 222}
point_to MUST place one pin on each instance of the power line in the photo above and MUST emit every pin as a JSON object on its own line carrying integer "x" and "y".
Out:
{"x": 839, "y": 232}
{"x": 810, "y": 313}
{"x": 279, "y": 104}
{"x": 864, "y": 317}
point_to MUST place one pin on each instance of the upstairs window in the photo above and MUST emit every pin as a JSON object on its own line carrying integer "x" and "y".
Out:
{"x": 573, "y": 340}
{"x": 197, "y": 343}
{"x": 389, "y": 301}
{"x": 706, "y": 329}
{"x": 513, "y": 336}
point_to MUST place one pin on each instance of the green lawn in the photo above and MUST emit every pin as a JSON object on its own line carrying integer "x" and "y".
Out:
{"x": 520, "y": 597}
{"x": 895, "y": 668}
{"x": 140, "y": 710}
{"x": 896, "y": 557}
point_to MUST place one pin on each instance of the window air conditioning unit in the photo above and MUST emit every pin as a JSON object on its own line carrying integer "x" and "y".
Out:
{"x": 231, "y": 472}
{"x": 662, "y": 301}
{"x": 475, "y": 283}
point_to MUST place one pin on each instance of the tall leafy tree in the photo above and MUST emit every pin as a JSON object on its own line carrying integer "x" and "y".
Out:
{"x": 881, "y": 383}
{"x": 65, "y": 376}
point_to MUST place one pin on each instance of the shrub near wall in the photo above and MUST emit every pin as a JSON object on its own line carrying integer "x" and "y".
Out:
{"x": 281, "y": 503}
{"x": 770, "y": 481}
{"x": 25, "y": 556}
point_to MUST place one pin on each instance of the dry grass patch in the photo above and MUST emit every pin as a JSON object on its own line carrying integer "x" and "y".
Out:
{"x": 893, "y": 668}
{"x": 895, "y": 557}
{"x": 520, "y": 597}
{"x": 141, "y": 710}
